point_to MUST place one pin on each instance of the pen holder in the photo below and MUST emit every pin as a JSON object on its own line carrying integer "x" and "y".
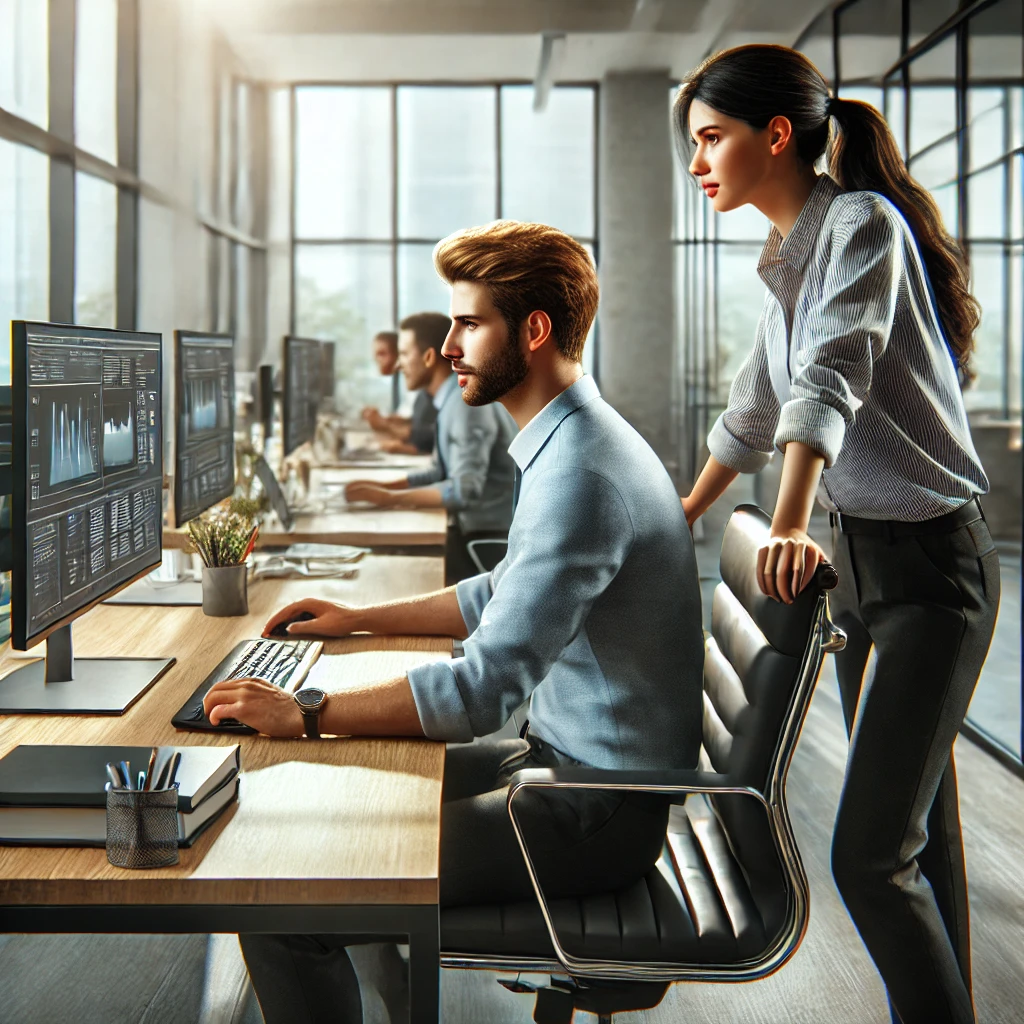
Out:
{"x": 142, "y": 827}
{"x": 224, "y": 590}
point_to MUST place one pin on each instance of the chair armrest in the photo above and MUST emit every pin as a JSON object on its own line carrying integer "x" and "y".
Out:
{"x": 677, "y": 782}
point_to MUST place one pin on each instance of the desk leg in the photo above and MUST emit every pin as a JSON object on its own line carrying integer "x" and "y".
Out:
{"x": 424, "y": 967}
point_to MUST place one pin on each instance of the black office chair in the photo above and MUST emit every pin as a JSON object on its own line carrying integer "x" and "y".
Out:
{"x": 487, "y": 552}
{"x": 728, "y": 899}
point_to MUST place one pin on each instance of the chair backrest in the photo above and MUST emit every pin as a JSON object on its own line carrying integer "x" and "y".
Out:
{"x": 754, "y": 660}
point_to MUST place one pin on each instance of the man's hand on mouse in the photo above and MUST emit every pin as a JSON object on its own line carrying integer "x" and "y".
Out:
{"x": 256, "y": 703}
{"x": 328, "y": 619}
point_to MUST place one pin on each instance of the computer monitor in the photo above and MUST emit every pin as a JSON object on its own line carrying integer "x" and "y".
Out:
{"x": 302, "y": 368}
{"x": 204, "y": 410}
{"x": 265, "y": 399}
{"x": 327, "y": 378}
{"x": 87, "y": 470}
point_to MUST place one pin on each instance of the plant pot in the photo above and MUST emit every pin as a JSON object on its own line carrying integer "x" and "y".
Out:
{"x": 225, "y": 590}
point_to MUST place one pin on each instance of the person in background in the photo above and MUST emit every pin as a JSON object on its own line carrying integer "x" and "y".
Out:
{"x": 407, "y": 431}
{"x": 866, "y": 330}
{"x": 595, "y": 615}
{"x": 473, "y": 474}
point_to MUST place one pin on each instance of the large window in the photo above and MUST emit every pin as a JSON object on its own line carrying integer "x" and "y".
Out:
{"x": 381, "y": 177}
{"x": 24, "y": 67}
{"x": 96, "y": 77}
{"x": 24, "y": 242}
{"x": 95, "y": 252}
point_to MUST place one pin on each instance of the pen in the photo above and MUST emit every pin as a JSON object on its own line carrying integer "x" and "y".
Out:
{"x": 252, "y": 542}
{"x": 149, "y": 769}
{"x": 126, "y": 778}
{"x": 175, "y": 761}
{"x": 158, "y": 783}
{"x": 141, "y": 781}
{"x": 114, "y": 774}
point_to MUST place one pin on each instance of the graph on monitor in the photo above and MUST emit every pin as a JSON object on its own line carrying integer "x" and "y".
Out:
{"x": 202, "y": 400}
{"x": 118, "y": 434}
{"x": 73, "y": 438}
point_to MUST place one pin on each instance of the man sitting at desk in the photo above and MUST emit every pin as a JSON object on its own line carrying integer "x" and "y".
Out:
{"x": 595, "y": 614}
{"x": 406, "y": 433}
{"x": 473, "y": 473}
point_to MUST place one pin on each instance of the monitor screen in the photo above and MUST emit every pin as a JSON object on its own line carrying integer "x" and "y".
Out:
{"x": 327, "y": 374}
{"x": 204, "y": 411}
{"x": 87, "y": 466}
{"x": 303, "y": 365}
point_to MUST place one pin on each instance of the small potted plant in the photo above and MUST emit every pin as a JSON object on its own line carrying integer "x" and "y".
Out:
{"x": 224, "y": 538}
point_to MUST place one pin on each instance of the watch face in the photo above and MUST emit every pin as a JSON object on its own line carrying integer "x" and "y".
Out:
{"x": 310, "y": 697}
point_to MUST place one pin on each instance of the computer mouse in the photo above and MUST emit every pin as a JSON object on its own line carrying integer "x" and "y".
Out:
{"x": 281, "y": 629}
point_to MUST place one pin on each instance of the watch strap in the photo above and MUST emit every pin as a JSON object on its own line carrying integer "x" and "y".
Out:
{"x": 311, "y": 720}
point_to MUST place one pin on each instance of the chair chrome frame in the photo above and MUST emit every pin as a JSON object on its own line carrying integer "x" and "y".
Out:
{"x": 473, "y": 547}
{"x": 825, "y": 638}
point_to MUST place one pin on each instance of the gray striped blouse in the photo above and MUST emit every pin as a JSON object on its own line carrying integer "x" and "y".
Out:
{"x": 849, "y": 358}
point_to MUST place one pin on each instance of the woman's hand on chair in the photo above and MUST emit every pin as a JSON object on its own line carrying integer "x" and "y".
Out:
{"x": 786, "y": 564}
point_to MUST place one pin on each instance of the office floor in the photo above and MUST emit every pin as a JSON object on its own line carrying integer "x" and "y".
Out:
{"x": 157, "y": 980}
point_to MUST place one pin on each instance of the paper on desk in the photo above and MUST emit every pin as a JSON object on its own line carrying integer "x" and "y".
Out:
{"x": 325, "y": 552}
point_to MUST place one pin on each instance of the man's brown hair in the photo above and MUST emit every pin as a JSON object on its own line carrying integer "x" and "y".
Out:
{"x": 527, "y": 267}
{"x": 429, "y": 329}
{"x": 390, "y": 338}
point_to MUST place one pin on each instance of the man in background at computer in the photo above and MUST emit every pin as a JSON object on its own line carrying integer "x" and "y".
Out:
{"x": 473, "y": 473}
{"x": 595, "y": 614}
{"x": 409, "y": 429}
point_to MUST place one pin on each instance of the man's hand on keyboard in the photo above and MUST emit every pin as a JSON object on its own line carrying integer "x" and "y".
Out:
{"x": 254, "y": 702}
{"x": 328, "y": 619}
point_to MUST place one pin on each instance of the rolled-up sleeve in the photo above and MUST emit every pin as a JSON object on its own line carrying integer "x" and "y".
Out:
{"x": 580, "y": 533}
{"x": 473, "y": 595}
{"x": 845, "y": 331}
{"x": 425, "y": 477}
{"x": 742, "y": 438}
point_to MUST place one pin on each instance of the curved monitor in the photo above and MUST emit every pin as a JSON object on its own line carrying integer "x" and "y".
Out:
{"x": 87, "y": 470}
{"x": 204, "y": 412}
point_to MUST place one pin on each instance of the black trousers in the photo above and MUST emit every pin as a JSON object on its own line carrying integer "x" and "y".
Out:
{"x": 918, "y": 612}
{"x": 590, "y": 841}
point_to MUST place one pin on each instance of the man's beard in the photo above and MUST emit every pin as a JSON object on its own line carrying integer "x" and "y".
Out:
{"x": 496, "y": 378}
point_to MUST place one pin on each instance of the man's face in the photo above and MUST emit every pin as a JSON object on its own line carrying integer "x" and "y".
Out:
{"x": 385, "y": 356}
{"x": 413, "y": 363}
{"x": 488, "y": 362}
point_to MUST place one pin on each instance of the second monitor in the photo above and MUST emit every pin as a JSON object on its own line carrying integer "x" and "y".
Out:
{"x": 204, "y": 400}
{"x": 303, "y": 368}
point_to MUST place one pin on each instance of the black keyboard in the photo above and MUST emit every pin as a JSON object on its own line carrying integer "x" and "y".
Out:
{"x": 285, "y": 663}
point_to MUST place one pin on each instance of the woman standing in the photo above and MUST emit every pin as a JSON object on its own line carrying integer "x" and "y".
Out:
{"x": 866, "y": 331}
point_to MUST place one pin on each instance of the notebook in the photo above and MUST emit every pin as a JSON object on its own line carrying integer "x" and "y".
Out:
{"x": 56, "y": 794}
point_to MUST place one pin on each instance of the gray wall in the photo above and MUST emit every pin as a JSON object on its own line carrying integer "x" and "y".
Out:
{"x": 635, "y": 361}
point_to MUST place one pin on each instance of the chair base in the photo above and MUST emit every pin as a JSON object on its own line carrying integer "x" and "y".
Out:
{"x": 557, "y": 1002}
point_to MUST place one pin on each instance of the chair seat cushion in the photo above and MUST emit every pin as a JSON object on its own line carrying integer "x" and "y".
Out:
{"x": 693, "y": 906}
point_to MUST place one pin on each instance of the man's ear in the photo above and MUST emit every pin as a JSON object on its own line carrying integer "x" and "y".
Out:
{"x": 537, "y": 329}
{"x": 429, "y": 358}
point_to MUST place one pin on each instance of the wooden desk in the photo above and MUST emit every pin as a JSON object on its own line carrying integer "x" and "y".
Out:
{"x": 332, "y": 836}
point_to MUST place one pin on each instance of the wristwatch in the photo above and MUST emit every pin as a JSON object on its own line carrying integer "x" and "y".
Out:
{"x": 311, "y": 702}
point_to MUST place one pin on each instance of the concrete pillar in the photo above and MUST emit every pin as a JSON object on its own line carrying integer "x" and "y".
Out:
{"x": 635, "y": 358}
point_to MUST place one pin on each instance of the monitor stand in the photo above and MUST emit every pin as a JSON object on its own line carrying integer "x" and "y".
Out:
{"x": 60, "y": 684}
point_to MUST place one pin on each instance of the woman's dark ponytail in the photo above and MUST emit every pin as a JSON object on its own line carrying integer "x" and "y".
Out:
{"x": 864, "y": 157}
{"x": 755, "y": 83}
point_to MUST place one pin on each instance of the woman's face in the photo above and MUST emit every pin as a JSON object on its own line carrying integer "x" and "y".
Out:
{"x": 731, "y": 159}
